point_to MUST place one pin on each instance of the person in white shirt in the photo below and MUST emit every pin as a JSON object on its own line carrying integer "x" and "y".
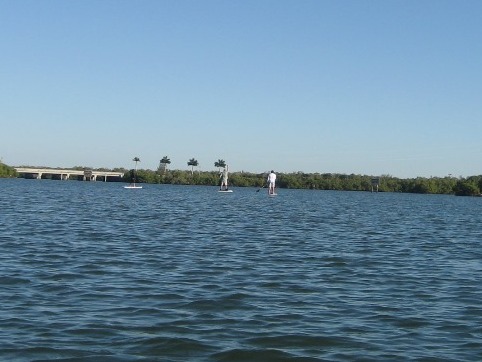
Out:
{"x": 271, "y": 182}
{"x": 224, "y": 179}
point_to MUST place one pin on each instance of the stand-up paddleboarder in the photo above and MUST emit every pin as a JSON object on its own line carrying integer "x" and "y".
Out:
{"x": 224, "y": 179}
{"x": 271, "y": 183}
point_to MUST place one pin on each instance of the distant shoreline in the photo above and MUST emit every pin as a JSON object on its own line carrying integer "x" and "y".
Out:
{"x": 469, "y": 186}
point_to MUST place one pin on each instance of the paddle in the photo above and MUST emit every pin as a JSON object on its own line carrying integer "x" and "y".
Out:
{"x": 260, "y": 188}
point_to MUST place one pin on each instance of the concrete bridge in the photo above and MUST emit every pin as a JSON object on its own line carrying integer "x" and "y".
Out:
{"x": 65, "y": 174}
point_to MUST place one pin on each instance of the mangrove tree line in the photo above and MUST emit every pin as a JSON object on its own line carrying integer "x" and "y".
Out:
{"x": 468, "y": 186}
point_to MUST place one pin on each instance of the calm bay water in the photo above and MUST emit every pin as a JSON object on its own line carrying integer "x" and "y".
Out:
{"x": 90, "y": 271}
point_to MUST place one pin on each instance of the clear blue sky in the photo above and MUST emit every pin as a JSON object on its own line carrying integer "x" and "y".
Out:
{"x": 367, "y": 87}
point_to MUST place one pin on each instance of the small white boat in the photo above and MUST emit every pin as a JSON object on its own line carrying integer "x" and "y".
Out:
{"x": 132, "y": 187}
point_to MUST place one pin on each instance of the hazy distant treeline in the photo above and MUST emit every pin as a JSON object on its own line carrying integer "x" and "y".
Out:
{"x": 298, "y": 180}
{"x": 469, "y": 186}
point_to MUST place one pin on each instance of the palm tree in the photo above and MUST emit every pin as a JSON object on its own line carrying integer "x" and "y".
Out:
{"x": 192, "y": 162}
{"x": 220, "y": 164}
{"x": 163, "y": 164}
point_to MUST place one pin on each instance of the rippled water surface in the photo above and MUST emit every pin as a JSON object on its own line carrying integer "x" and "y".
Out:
{"x": 90, "y": 271}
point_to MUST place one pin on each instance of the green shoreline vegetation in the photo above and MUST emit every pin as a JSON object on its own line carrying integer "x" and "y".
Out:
{"x": 468, "y": 186}
{"x": 7, "y": 171}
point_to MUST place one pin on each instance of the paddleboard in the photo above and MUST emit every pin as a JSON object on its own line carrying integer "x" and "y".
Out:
{"x": 272, "y": 194}
{"x": 133, "y": 187}
{"x": 224, "y": 191}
